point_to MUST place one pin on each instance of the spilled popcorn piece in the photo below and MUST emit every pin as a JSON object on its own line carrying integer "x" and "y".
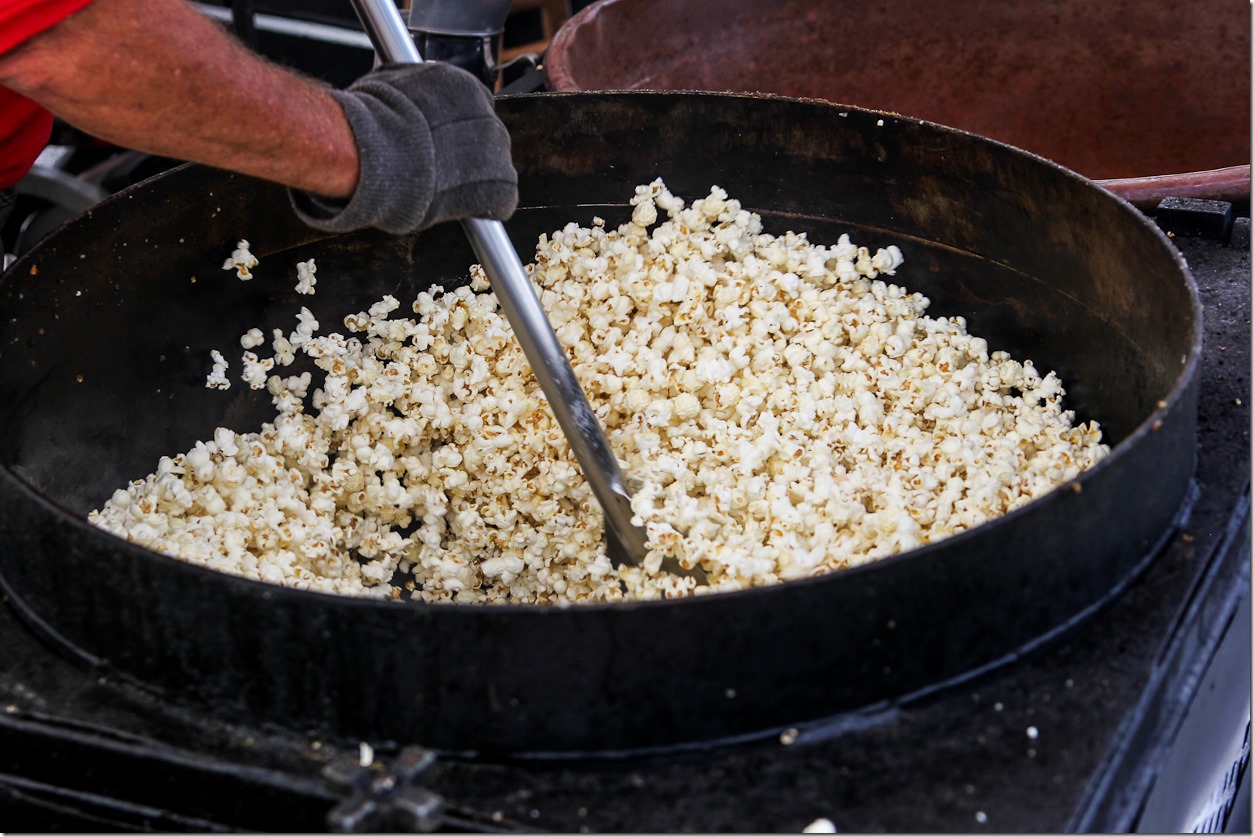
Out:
{"x": 256, "y": 370}
{"x": 306, "y": 277}
{"x": 306, "y": 328}
{"x": 241, "y": 261}
{"x": 217, "y": 375}
{"x": 252, "y": 338}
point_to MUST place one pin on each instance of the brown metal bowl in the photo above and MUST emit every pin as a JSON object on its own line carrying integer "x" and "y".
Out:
{"x": 1149, "y": 97}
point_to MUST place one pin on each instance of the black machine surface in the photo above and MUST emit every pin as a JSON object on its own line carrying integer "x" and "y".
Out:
{"x": 1110, "y": 706}
{"x": 1039, "y": 261}
{"x": 1073, "y": 734}
{"x": 1133, "y": 718}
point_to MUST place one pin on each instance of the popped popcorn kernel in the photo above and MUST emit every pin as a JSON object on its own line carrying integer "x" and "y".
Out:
{"x": 241, "y": 261}
{"x": 306, "y": 277}
{"x": 217, "y": 375}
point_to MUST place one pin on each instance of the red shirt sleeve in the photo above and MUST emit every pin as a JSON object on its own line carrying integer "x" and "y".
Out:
{"x": 24, "y": 126}
{"x": 20, "y": 19}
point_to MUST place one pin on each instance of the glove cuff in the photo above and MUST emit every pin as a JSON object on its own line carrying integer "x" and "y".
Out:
{"x": 396, "y": 180}
{"x": 431, "y": 149}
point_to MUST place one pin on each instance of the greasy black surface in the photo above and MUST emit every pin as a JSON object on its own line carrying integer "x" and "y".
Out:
{"x": 113, "y": 317}
{"x": 931, "y": 766}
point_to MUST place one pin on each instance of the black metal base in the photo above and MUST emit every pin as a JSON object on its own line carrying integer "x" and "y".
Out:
{"x": 1071, "y": 737}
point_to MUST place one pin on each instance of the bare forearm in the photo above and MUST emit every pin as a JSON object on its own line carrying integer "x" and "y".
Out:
{"x": 157, "y": 76}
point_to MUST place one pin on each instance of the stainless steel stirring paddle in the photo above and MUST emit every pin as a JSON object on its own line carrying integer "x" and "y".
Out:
{"x": 626, "y": 542}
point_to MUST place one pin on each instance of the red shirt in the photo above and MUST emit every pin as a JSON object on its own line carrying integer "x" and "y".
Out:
{"x": 24, "y": 125}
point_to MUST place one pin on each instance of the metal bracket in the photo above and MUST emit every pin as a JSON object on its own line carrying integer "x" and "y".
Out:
{"x": 384, "y": 798}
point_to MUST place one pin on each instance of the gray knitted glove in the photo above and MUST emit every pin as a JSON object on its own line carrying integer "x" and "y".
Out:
{"x": 431, "y": 147}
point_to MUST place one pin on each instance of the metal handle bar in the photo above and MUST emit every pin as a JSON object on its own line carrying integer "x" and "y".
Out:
{"x": 391, "y": 39}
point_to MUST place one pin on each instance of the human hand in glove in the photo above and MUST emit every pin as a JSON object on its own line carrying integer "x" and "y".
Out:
{"x": 403, "y": 148}
{"x": 431, "y": 149}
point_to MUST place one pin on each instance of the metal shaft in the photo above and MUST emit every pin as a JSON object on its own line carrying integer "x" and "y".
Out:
{"x": 391, "y": 39}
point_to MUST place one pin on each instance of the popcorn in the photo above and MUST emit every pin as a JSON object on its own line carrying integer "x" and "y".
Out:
{"x": 255, "y": 369}
{"x": 217, "y": 375}
{"x": 306, "y": 277}
{"x": 252, "y": 338}
{"x": 780, "y": 410}
{"x": 241, "y": 261}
